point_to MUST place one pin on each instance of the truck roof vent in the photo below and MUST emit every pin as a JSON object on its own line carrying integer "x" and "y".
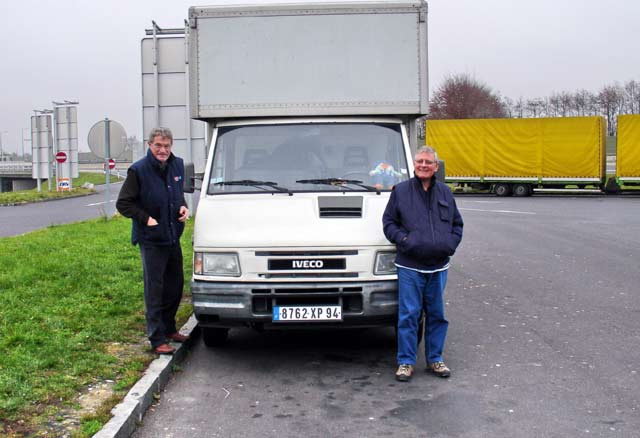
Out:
{"x": 340, "y": 206}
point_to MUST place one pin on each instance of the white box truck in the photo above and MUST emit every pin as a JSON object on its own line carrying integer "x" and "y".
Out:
{"x": 311, "y": 112}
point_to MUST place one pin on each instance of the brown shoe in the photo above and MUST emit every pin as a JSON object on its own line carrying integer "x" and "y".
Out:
{"x": 404, "y": 373}
{"x": 177, "y": 337}
{"x": 439, "y": 369}
{"x": 164, "y": 349}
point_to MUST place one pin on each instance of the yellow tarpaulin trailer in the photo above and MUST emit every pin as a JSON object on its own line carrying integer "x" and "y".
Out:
{"x": 628, "y": 150}
{"x": 516, "y": 155}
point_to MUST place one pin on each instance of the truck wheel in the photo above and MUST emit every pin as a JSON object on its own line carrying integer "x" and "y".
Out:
{"x": 502, "y": 189}
{"x": 214, "y": 336}
{"x": 522, "y": 190}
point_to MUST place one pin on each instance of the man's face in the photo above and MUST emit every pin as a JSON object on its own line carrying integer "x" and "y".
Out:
{"x": 160, "y": 148}
{"x": 425, "y": 165}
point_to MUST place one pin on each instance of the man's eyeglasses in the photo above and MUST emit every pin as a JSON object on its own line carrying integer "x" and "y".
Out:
{"x": 426, "y": 162}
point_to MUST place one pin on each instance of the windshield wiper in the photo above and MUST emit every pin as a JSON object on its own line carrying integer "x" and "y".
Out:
{"x": 338, "y": 182}
{"x": 253, "y": 183}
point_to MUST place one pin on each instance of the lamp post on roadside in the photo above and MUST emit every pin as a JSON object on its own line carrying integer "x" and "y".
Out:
{"x": 23, "y": 139}
{"x": 1, "y": 151}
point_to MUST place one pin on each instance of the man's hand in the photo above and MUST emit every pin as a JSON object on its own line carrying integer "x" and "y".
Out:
{"x": 184, "y": 214}
{"x": 151, "y": 222}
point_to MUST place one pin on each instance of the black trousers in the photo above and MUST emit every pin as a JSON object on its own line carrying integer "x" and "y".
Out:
{"x": 163, "y": 284}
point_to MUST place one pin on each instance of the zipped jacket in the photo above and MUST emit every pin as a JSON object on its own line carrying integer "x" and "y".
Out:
{"x": 157, "y": 191}
{"x": 426, "y": 226}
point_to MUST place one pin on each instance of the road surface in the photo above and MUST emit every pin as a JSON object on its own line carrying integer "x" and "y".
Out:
{"x": 21, "y": 219}
{"x": 545, "y": 326}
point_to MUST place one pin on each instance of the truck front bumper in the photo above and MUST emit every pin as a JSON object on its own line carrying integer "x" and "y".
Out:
{"x": 363, "y": 304}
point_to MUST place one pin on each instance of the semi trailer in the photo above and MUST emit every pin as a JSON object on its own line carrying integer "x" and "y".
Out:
{"x": 628, "y": 150}
{"x": 516, "y": 156}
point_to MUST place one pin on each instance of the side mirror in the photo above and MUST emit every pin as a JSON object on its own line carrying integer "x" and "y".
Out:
{"x": 440, "y": 174}
{"x": 189, "y": 183}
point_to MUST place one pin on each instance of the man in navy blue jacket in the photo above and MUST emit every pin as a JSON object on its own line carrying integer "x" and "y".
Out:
{"x": 152, "y": 196}
{"x": 422, "y": 219}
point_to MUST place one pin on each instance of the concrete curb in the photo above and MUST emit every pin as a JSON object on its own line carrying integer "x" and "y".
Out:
{"x": 130, "y": 411}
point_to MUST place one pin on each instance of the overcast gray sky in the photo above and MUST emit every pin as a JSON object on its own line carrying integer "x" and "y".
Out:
{"x": 90, "y": 50}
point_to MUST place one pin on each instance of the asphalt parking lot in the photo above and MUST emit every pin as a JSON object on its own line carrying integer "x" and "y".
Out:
{"x": 544, "y": 306}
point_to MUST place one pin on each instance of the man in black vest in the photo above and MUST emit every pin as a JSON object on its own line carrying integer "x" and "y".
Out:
{"x": 152, "y": 196}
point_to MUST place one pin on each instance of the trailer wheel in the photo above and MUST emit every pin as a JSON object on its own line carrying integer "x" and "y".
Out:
{"x": 502, "y": 189}
{"x": 214, "y": 336}
{"x": 522, "y": 190}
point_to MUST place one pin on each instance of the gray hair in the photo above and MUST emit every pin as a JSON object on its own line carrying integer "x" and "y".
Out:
{"x": 426, "y": 150}
{"x": 162, "y": 132}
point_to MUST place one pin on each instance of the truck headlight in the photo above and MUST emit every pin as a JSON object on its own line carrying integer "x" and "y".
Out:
{"x": 215, "y": 263}
{"x": 384, "y": 263}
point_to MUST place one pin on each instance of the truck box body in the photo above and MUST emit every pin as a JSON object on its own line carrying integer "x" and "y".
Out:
{"x": 308, "y": 59}
{"x": 628, "y": 150}
{"x": 311, "y": 113}
{"x": 537, "y": 152}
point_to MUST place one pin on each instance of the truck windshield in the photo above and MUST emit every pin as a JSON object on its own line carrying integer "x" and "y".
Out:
{"x": 308, "y": 157}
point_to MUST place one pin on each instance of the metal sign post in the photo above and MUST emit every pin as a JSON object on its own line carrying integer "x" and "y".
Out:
{"x": 107, "y": 154}
{"x": 106, "y": 138}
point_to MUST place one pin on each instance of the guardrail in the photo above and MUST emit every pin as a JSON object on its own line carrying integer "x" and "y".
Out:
{"x": 15, "y": 168}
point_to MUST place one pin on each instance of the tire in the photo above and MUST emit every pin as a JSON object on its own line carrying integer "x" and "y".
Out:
{"x": 502, "y": 189}
{"x": 521, "y": 190}
{"x": 214, "y": 336}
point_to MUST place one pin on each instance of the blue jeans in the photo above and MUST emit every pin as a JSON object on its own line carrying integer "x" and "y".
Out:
{"x": 418, "y": 292}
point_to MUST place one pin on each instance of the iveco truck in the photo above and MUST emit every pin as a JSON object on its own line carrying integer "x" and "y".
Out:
{"x": 311, "y": 113}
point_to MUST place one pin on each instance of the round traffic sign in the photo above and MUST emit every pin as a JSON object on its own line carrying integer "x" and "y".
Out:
{"x": 112, "y": 163}
{"x": 61, "y": 157}
{"x": 117, "y": 139}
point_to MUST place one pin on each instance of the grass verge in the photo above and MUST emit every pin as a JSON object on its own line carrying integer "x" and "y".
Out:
{"x": 71, "y": 317}
{"x": 26, "y": 196}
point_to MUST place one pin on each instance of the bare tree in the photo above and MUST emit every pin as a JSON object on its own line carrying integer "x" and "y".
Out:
{"x": 584, "y": 103}
{"x": 610, "y": 101}
{"x": 463, "y": 97}
{"x": 535, "y": 107}
{"x": 509, "y": 106}
{"x": 632, "y": 97}
{"x": 519, "y": 108}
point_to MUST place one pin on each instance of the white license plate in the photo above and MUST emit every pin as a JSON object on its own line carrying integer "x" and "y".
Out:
{"x": 307, "y": 313}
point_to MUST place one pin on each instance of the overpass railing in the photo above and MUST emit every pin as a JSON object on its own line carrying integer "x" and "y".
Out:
{"x": 15, "y": 168}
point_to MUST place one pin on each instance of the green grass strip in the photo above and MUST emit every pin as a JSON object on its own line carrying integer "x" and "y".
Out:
{"x": 69, "y": 293}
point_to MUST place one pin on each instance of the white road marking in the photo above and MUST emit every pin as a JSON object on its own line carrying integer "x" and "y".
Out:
{"x": 498, "y": 211}
{"x": 99, "y": 203}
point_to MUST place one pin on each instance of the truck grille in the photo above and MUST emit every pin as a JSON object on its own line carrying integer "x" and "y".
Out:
{"x": 264, "y": 299}
{"x": 310, "y": 275}
{"x": 348, "y": 252}
{"x": 340, "y": 207}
